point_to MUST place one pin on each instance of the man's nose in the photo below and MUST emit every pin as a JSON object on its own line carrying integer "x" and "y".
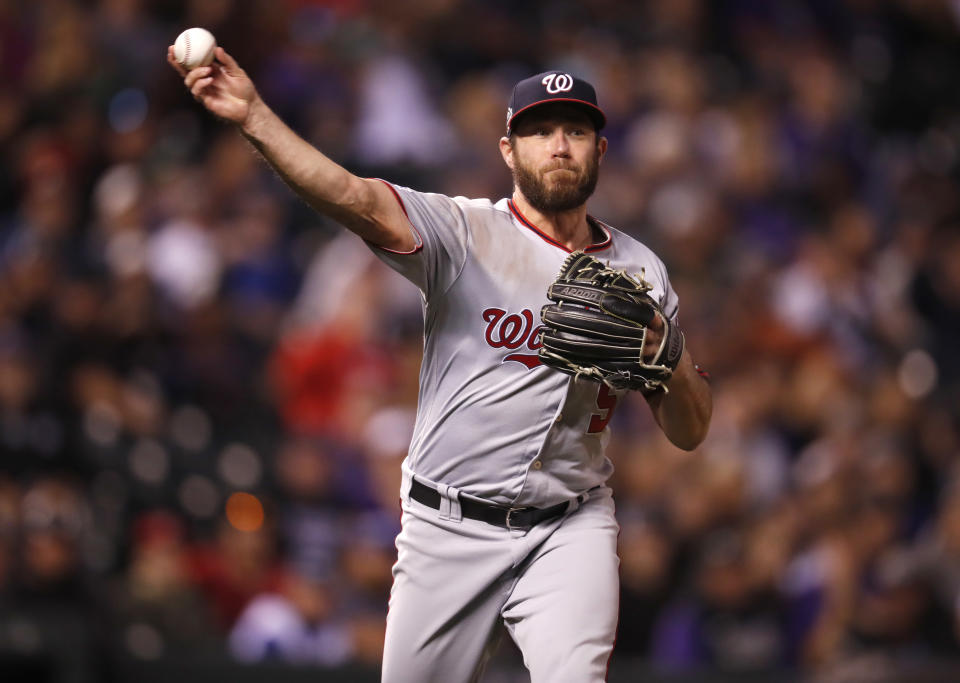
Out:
{"x": 559, "y": 145}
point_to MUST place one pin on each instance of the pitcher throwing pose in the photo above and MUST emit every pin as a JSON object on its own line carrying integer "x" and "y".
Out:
{"x": 506, "y": 515}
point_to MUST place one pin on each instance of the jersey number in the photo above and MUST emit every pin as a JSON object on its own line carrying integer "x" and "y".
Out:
{"x": 606, "y": 402}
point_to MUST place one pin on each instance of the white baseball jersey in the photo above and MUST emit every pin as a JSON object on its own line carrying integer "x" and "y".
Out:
{"x": 492, "y": 421}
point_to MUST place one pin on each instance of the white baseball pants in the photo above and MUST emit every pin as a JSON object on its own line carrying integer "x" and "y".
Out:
{"x": 554, "y": 586}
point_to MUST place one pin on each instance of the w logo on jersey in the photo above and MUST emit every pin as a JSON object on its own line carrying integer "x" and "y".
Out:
{"x": 557, "y": 83}
{"x": 511, "y": 332}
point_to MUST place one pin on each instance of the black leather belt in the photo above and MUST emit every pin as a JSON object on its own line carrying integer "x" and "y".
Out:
{"x": 508, "y": 518}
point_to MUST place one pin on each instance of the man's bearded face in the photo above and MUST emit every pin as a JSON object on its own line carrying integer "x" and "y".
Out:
{"x": 560, "y": 185}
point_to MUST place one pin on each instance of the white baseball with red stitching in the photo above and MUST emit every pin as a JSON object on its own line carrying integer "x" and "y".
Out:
{"x": 194, "y": 47}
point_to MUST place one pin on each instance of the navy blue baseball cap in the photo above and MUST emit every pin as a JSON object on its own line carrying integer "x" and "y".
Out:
{"x": 554, "y": 86}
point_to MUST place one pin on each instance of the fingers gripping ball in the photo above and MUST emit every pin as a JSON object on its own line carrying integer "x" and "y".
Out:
{"x": 195, "y": 47}
{"x": 599, "y": 324}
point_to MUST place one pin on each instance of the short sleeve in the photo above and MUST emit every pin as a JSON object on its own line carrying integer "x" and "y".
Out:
{"x": 670, "y": 303}
{"x": 440, "y": 231}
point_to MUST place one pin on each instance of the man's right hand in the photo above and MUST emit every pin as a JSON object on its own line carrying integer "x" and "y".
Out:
{"x": 223, "y": 87}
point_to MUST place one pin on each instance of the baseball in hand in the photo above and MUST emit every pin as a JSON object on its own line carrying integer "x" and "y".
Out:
{"x": 194, "y": 47}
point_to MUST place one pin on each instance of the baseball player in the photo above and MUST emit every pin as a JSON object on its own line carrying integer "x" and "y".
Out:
{"x": 506, "y": 516}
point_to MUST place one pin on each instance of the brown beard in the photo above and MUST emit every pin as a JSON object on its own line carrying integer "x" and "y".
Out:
{"x": 556, "y": 197}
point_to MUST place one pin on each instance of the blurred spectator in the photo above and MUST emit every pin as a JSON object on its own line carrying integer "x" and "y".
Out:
{"x": 396, "y": 123}
{"x": 646, "y": 586}
{"x": 158, "y": 609}
{"x": 311, "y": 508}
{"x": 237, "y": 566}
{"x": 54, "y": 611}
{"x": 292, "y": 625}
{"x": 9, "y": 528}
{"x": 729, "y": 623}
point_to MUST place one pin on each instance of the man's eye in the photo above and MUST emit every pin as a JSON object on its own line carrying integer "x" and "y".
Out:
{"x": 541, "y": 131}
{"x": 578, "y": 132}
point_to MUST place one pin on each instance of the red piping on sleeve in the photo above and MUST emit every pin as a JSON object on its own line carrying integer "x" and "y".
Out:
{"x": 419, "y": 244}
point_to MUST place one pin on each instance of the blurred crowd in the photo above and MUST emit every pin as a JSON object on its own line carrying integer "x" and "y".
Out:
{"x": 206, "y": 389}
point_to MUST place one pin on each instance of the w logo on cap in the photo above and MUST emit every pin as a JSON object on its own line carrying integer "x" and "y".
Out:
{"x": 557, "y": 83}
{"x": 553, "y": 86}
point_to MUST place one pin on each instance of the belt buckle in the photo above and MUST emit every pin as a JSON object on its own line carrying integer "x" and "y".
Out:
{"x": 510, "y": 526}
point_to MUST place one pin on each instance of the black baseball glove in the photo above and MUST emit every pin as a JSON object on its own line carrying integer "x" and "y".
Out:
{"x": 600, "y": 325}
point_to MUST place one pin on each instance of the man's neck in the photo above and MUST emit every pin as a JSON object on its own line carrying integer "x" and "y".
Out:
{"x": 569, "y": 228}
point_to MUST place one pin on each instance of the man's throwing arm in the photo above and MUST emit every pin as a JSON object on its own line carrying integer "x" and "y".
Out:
{"x": 364, "y": 206}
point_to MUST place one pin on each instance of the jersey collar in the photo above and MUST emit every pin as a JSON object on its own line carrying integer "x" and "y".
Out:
{"x": 596, "y": 246}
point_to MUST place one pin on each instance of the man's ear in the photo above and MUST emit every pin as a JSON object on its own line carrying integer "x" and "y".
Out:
{"x": 602, "y": 146}
{"x": 506, "y": 151}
